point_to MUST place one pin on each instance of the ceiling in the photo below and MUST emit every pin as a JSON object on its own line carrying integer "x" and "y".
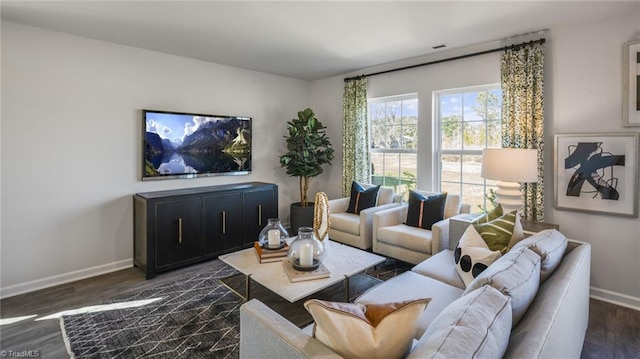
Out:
{"x": 307, "y": 40}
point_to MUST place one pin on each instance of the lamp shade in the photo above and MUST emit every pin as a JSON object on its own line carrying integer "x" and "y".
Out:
{"x": 510, "y": 164}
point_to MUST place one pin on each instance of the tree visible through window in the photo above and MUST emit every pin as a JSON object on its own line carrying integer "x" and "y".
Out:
{"x": 467, "y": 121}
{"x": 393, "y": 125}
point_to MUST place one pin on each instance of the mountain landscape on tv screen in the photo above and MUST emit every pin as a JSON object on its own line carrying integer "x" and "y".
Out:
{"x": 217, "y": 146}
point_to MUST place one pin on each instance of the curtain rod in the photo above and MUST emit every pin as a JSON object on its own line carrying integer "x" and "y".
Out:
{"x": 504, "y": 48}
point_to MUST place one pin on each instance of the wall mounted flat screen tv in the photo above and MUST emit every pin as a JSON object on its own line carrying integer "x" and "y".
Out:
{"x": 189, "y": 145}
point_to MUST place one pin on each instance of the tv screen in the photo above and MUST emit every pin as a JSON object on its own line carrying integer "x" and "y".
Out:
{"x": 188, "y": 145}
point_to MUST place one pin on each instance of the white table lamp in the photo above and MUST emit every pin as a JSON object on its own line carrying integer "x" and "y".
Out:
{"x": 510, "y": 166}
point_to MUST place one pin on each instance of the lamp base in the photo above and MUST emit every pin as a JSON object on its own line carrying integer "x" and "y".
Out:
{"x": 509, "y": 196}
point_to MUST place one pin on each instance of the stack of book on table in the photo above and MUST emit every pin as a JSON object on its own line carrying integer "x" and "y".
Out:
{"x": 299, "y": 276}
{"x": 270, "y": 255}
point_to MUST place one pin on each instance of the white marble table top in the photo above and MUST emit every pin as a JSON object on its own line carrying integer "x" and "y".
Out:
{"x": 341, "y": 261}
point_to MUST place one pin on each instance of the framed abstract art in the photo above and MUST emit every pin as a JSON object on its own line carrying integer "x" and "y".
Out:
{"x": 597, "y": 172}
{"x": 631, "y": 84}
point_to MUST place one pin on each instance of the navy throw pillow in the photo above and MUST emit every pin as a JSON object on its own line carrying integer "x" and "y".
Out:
{"x": 362, "y": 198}
{"x": 423, "y": 211}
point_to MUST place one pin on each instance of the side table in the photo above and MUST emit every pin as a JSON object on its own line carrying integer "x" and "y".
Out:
{"x": 531, "y": 227}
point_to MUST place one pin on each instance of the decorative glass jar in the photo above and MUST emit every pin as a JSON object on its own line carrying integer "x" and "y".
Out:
{"x": 306, "y": 252}
{"x": 274, "y": 235}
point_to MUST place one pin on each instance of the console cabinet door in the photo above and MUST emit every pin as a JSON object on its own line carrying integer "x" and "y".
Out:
{"x": 178, "y": 231}
{"x": 222, "y": 223}
{"x": 258, "y": 207}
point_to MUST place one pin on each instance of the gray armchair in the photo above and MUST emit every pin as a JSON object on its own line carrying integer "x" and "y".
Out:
{"x": 356, "y": 229}
{"x": 393, "y": 238}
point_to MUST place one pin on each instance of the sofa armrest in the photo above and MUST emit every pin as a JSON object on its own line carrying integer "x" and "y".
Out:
{"x": 339, "y": 205}
{"x": 387, "y": 218}
{"x": 262, "y": 331}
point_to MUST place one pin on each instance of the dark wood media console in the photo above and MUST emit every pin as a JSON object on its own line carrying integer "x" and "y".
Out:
{"x": 176, "y": 228}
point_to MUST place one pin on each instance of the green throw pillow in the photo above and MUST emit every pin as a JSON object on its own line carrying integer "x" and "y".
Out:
{"x": 498, "y": 232}
{"x": 488, "y": 217}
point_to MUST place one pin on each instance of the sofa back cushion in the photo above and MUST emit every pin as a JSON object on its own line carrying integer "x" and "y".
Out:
{"x": 476, "y": 325}
{"x": 385, "y": 196}
{"x": 371, "y": 331}
{"x": 550, "y": 245}
{"x": 451, "y": 204}
{"x": 517, "y": 275}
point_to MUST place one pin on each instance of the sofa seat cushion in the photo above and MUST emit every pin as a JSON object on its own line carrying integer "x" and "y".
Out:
{"x": 550, "y": 245}
{"x": 410, "y": 286}
{"x": 404, "y": 236}
{"x": 440, "y": 266}
{"x": 517, "y": 275}
{"x": 346, "y": 222}
{"x": 474, "y": 326}
{"x": 376, "y": 330}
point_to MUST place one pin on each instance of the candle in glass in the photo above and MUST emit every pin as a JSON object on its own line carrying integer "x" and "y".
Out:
{"x": 306, "y": 255}
{"x": 273, "y": 238}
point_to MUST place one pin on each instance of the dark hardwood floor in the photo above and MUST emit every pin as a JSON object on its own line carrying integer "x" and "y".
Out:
{"x": 614, "y": 331}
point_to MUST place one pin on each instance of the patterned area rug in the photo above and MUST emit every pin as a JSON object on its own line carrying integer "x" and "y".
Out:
{"x": 197, "y": 317}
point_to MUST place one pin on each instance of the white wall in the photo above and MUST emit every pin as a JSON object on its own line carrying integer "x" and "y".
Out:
{"x": 583, "y": 93}
{"x": 71, "y": 145}
{"x": 585, "y": 72}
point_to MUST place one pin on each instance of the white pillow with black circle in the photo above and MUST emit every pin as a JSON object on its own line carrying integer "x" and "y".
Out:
{"x": 473, "y": 256}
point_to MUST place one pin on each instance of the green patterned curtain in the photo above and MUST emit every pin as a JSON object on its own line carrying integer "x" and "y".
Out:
{"x": 355, "y": 134}
{"x": 523, "y": 115}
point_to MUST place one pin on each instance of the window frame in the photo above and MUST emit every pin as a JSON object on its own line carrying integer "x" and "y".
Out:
{"x": 387, "y": 150}
{"x": 438, "y": 152}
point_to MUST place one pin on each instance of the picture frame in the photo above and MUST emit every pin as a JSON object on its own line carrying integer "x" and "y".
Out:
{"x": 631, "y": 84}
{"x": 597, "y": 173}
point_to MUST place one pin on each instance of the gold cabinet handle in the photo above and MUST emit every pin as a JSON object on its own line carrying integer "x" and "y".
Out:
{"x": 259, "y": 214}
{"x": 224, "y": 222}
{"x": 180, "y": 230}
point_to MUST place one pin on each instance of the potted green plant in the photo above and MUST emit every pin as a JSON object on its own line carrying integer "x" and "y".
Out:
{"x": 308, "y": 149}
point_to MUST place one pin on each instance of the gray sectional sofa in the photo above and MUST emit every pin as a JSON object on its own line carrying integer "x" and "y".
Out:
{"x": 552, "y": 325}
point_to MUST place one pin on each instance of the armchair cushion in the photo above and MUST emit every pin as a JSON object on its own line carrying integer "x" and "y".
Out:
{"x": 424, "y": 211}
{"x": 407, "y": 237}
{"x": 346, "y": 222}
{"x": 362, "y": 198}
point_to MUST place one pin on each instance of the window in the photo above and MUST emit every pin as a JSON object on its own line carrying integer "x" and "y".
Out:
{"x": 467, "y": 121}
{"x": 393, "y": 127}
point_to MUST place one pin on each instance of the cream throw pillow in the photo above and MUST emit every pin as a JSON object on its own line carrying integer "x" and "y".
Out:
{"x": 473, "y": 256}
{"x": 366, "y": 330}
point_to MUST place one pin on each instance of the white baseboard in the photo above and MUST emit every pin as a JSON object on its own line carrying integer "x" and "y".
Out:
{"x": 37, "y": 284}
{"x": 615, "y": 298}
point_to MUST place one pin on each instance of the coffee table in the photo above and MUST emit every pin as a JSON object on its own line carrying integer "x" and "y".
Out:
{"x": 342, "y": 261}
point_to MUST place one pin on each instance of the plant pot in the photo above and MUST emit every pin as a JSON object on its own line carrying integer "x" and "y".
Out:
{"x": 300, "y": 217}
